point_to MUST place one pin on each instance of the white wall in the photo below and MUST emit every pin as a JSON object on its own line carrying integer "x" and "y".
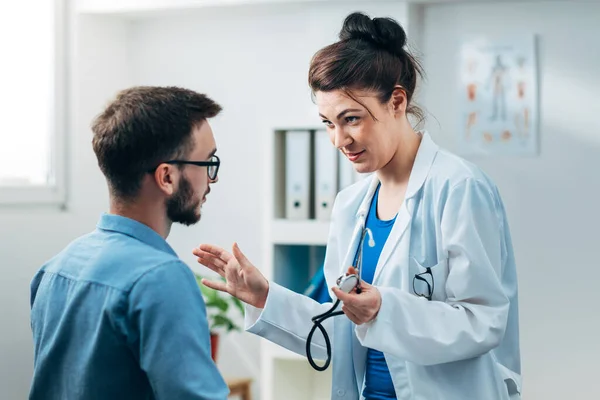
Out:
{"x": 551, "y": 199}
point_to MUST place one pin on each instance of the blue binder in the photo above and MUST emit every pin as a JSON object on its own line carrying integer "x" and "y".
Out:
{"x": 317, "y": 288}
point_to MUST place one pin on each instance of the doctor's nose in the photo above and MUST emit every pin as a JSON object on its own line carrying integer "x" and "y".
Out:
{"x": 340, "y": 138}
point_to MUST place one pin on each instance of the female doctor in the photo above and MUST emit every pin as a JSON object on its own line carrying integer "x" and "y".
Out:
{"x": 436, "y": 314}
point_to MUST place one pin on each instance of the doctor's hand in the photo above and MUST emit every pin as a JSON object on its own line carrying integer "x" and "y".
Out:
{"x": 242, "y": 279}
{"x": 361, "y": 307}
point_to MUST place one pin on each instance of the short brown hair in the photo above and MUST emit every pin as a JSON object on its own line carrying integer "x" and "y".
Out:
{"x": 144, "y": 126}
{"x": 370, "y": 55}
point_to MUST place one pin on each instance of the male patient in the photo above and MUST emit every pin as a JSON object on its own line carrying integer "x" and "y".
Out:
{"x": 117, "y": 315}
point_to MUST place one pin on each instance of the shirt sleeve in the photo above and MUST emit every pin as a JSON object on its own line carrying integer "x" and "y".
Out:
{"x": 170, "y": 334}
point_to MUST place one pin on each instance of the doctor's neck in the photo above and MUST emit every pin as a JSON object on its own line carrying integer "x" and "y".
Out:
{"x": 397, "y": 171}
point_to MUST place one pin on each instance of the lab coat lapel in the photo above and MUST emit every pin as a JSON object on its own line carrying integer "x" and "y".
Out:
{"x": 423, "y": 161}
{"x": 359, "y": 357}
{"x": 359, "y": 221}
{"x": 400, "y": 225}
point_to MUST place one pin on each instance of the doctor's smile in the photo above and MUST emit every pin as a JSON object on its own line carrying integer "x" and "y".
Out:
{"x": 354, "y": 156}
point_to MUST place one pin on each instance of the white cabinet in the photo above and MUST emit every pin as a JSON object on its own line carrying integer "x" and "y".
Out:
{"x": 294, "y": 250}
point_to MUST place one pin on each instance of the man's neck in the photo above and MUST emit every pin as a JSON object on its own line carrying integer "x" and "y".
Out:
{"x": 150, "y": 215}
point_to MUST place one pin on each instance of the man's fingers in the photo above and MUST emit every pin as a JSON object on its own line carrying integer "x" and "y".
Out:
{"x": 221, "y": 286}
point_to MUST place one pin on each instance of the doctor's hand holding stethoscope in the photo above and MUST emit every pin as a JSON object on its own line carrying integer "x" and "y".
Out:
{"x": 360, "y": 306}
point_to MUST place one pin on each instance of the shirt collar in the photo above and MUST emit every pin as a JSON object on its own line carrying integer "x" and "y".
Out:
{"x": 423, "y": 162}
{"x": 135, "y": 229}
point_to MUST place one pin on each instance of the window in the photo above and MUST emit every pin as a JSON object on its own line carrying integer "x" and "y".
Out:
{"x": 32, "y": 101}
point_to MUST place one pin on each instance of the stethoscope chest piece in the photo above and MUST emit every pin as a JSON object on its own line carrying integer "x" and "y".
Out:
{"x": 347, "y": 283}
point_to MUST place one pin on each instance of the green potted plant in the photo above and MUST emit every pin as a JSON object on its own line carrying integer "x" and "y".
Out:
{"x": 219, "y": 308}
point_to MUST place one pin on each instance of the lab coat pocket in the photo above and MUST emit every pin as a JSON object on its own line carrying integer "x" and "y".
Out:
{"x": 512, "y": 381}
{"x": 428, "y": 279}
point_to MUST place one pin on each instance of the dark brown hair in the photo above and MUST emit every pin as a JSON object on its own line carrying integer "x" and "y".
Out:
{"x": 370, "y": 55}
{"x": 143, "y": 127}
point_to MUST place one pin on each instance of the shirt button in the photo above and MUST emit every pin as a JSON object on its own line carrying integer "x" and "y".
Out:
{"x": 341, "y": 392}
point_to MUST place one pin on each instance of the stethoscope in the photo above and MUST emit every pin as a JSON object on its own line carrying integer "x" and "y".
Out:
{"x": 346, "y": 283}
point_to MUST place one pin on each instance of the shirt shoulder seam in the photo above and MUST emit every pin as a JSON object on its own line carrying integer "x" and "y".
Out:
{"x": 122, "y": 290}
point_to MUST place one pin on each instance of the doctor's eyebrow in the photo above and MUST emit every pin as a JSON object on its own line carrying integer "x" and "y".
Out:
{"x": 212, "y": 153}
{"x": 340, "y": 115}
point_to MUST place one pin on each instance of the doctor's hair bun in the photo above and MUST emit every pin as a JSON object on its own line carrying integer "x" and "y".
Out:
{"x": 370, "y": 56}
{"x": 382, "y": 33}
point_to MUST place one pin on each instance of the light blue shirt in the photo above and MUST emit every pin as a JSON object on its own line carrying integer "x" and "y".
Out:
{"x": 117, "y": 315}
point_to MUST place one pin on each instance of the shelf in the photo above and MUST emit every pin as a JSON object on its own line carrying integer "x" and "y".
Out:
{"x": 307, "y": 232}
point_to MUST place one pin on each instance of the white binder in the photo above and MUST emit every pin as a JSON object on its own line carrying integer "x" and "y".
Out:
{"x": 346, "y": 171}
{"x": 297, "y": 174}
{"x": 325, "y": 175}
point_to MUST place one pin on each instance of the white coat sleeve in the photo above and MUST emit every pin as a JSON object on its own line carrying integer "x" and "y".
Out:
{"x": 473, "y": 319}
{"x": 286, "y": 321}
{"x": 287, "y": 316}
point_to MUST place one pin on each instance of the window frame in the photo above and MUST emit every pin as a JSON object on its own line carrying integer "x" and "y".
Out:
{"x": 52, "y": 193}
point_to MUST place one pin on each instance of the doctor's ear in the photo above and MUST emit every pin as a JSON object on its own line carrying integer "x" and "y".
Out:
{"x": 165, "y": 177}
{"x": 398, "y": 101}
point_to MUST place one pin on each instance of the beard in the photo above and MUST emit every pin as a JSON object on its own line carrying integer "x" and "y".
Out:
{"x": 182, "y": 207}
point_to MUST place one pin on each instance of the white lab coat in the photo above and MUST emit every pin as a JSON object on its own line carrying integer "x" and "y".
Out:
{"x": 463, "y": 345}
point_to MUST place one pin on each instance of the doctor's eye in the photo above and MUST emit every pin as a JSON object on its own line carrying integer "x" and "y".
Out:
{"x": 352, "y": 120}
{"x": 327, "y": 123}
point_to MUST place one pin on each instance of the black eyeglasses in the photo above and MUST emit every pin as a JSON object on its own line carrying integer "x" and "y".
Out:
{"x": 212, "y": 170}
{"x": 427, "y": 280}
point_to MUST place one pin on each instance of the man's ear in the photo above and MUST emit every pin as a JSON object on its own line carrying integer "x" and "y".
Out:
{"x": 165, "y": 178}
{"x": 399, "y": 100}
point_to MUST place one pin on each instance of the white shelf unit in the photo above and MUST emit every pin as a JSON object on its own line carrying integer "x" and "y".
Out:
{"x": 294, "y": 250}
{"x": 310, "y": 232}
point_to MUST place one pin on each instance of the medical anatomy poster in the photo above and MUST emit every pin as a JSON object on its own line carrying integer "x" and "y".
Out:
{"x": 498, "y": 97}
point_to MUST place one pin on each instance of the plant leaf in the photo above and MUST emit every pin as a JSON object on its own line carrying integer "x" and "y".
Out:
{"x": 216, "y": 300}
{"x": 222, "y": 320}
{"x": 219, "y": 303}
{"x": 238, "y": 304}
{"x": 207, "y": 292}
